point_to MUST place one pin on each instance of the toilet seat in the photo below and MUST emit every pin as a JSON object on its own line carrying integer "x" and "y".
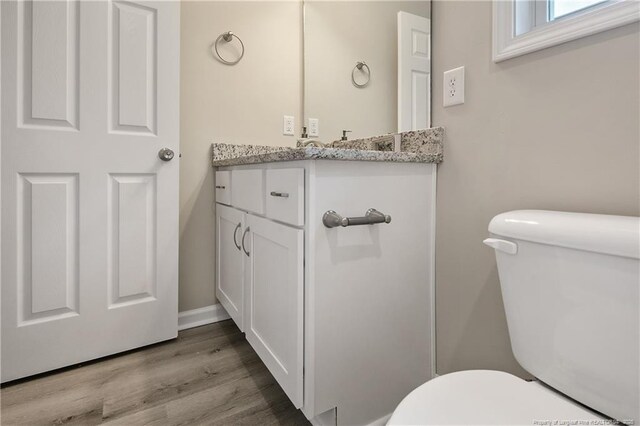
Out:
{"x": 486, "y": 397}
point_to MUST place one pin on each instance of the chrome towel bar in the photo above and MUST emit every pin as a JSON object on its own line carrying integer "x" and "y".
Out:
{"x": 331, "y": 219}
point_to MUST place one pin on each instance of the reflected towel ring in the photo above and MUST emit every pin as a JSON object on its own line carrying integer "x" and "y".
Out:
{"x": 227, "y": 37}
{"x": 360, "y": 65}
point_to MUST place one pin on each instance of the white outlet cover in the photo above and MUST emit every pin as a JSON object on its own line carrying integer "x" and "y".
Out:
{"x": 453, "y": 87}
{"x": 288, "y": 125}
{"x": 314, "y": 127}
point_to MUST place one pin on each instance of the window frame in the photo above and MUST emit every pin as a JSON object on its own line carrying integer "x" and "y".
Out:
{"x": 591, "y": 20}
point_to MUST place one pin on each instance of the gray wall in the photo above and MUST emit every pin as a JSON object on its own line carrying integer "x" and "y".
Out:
{"x": 240, "y": 104}
{"x": 556, "y": 129}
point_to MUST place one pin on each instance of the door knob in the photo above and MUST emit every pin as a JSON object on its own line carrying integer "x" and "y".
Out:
{"x": 166, "y": 154}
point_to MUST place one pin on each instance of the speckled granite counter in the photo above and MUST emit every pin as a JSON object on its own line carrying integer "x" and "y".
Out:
{"x": 421, "y": 146}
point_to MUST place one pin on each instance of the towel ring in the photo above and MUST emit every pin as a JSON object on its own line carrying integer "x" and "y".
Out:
{"x": 227, "y": 37}
{"x": 360, "y": 65}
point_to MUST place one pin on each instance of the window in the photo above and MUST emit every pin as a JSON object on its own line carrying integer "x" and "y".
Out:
{"x": 559, "y": 8}
{"x": 523, "y": 26}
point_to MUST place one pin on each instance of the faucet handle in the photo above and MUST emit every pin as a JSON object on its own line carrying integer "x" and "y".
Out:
{"x": 344, "y": 135}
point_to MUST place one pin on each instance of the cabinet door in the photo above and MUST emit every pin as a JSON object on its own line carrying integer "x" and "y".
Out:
{"x": 229, "y": 261}
{"x": 275, "y": 300}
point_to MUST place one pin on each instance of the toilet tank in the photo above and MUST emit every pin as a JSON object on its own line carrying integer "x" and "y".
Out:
{"x": 570, "y": 288}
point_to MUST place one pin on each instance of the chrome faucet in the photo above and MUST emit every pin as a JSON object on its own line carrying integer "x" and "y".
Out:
{"x": 302, "y": 143}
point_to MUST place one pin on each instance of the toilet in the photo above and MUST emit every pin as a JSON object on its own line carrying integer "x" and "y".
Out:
{"x": 570, "y": 284}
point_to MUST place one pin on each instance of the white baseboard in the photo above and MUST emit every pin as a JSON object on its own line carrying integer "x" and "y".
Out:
{"x": 382, "y": 421}
{"x": 328, "y": 418}
{"x": 201, "y": 316}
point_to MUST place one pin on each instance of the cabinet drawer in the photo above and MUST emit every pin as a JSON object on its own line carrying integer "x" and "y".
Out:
{"x": 223, "y": 187}
{"x": 285, "y": 195}
{"x": 248, "y": 190}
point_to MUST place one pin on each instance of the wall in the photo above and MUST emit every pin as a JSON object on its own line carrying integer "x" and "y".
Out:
{"x": 337, "y": 35}
{"x": 555, "y": 129}
{"x": 240, "y": 104}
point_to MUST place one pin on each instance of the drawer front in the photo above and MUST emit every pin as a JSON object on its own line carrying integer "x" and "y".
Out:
{"x": 248, "y": 190}
{"x": 285, "y": 195}
{"x": 223, "y": 187}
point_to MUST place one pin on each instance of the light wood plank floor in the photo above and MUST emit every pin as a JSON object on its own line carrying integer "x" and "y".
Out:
{"x": 209, "y": 375}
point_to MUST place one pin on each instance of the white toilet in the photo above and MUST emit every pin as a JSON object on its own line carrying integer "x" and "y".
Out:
{"x": 570, "y": 284}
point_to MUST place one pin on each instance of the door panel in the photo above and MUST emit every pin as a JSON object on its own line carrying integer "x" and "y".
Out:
{"x": 89, "y": 212}
{"x": 47, "y": 246}
{"x": 132, "y": 51}
{"x": 414, "y": 72}
{"x": 48, "y": 59}
{"x": 229, "y": 262}
{"x": 275, "y": 301}
{"x": 131, "y": 238}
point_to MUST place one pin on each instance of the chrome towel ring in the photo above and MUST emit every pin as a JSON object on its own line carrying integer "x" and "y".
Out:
{"x": 360, "y": 66}
{"x": 227, "y": 37}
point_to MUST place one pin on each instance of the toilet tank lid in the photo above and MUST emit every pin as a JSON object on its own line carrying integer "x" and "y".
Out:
{"x": 614, "y": 235}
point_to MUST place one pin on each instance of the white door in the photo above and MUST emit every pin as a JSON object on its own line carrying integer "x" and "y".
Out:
{"x": 230, "y": 261}
{"x": 90, "y": 94}
{"x": 414, "y": 72}
{"x": 275, "y": 300}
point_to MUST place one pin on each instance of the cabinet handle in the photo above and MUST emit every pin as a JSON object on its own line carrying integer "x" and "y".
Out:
{"x": 235, "y": 231}
{"x": 246, "y": 231}
{"x": 220, "y": 187}
{"x": 279, "y": 194}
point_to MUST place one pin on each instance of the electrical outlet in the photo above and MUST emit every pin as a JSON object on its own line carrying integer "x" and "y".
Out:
{"x": 288, "y": 125}
{"x": 453, "y": 87}
{"x": 314, "y": 127}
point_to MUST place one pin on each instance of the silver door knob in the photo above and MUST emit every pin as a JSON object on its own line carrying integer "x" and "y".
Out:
{"x": 166, "y": 154}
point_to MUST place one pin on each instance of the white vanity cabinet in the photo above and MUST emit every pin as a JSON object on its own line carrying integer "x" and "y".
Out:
{"x": 259, "y": 267}
{"x": 341, "y": 316}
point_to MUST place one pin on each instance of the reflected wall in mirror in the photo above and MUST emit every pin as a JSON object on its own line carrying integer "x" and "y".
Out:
{"x": 391, "y": 92}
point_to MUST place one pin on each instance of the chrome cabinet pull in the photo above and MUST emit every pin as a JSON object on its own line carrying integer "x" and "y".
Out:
{"x": 235, "y": 231}
{"x": 280, "y": 194}
{"x": 220, "y": 187}
{"x": 246, "y": 231}
{"x": 331, "y": 219}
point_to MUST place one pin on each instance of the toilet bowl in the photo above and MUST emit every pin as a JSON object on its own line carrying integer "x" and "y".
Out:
{"x": 570, "y": 284}
{"x": 486, "y": 397}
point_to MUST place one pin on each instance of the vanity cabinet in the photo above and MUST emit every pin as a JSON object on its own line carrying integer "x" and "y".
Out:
{"x": 259, "y": 281}
{"x": 341, "y": 316}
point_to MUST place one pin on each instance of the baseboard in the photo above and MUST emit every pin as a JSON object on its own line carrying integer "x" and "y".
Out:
{"x": 382, "y": 421}
{"x": 328, "y": 418}
{"x": 201, "y": 316}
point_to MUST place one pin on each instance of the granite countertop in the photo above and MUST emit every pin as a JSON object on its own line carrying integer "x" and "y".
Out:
{"x": 420, "y": 146}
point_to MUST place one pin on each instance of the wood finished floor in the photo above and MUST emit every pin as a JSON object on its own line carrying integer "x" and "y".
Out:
{"x": 209, "y": 375}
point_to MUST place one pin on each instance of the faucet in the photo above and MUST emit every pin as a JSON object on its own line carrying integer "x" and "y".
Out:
{"x": 305, "y": 140}
{"x": 302, "y": 143}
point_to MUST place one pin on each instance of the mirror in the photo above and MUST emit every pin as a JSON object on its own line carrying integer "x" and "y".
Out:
{"x": 366, "y": 68}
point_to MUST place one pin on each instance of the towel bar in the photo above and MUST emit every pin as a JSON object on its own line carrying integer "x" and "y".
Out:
{"x": 331, "y": 219}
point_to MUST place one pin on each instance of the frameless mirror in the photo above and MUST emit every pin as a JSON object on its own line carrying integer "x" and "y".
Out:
{"x": 366, "y": 67}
